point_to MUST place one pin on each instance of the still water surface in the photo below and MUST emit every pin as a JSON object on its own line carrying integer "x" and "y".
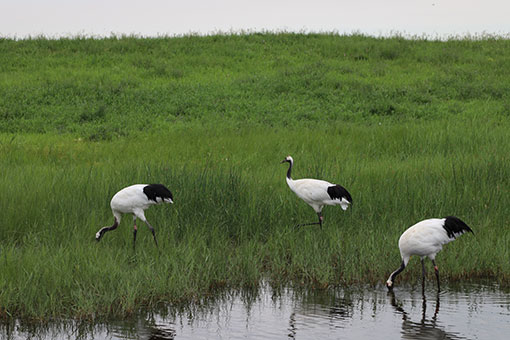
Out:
{"x": 467, "y": 311}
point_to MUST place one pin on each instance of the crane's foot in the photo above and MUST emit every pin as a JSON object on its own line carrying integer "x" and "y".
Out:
{"x": 305, "y": 224}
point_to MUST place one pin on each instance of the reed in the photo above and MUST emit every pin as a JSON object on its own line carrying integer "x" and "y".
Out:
{"x": 233, "y": 221}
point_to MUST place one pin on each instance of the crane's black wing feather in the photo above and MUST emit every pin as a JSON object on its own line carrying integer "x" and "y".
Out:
{"x": 153, "y": 191}
{"x": 339, "y": 192}
{"x": 455, "y": 227}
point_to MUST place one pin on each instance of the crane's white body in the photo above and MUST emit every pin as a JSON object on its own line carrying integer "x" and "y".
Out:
{"x": 132, "y": 200}
{"x": 315, "y": 193}
{"x": 424, "y": 239}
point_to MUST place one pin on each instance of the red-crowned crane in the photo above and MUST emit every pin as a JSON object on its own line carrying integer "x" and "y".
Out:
{"x": 426, "y": 239}
{"x": 317, "y": 193}
{"x": 134, "y": 200}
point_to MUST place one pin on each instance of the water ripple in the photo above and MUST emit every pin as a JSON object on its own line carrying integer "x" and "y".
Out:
{"x": 468, "y": 311}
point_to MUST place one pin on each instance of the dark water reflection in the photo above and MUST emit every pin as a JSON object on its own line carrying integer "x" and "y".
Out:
{"x": 426, "y": 328}
{"x": 468, "y": 311}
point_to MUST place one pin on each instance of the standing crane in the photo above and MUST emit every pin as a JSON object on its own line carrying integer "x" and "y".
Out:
{"x": 317, "y": 193}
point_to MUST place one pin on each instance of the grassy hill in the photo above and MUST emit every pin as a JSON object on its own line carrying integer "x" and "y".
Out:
{"x": 111, "y": 87}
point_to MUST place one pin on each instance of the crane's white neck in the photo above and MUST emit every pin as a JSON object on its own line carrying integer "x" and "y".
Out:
{"x": 290, "y": 182}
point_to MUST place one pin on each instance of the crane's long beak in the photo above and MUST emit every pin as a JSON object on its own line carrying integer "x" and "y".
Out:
{"x": 285, "y": 160}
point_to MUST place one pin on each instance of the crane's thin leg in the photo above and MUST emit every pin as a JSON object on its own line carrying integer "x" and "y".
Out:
{"x": 423, "y": 274}
{"x": 313, "y": 223}
{"x": 103, "y": 230}
{"x": 140, "y": 214}
{"x": 436, "y": 270}
{"x": 135, "y": 229}
{"x": 153, "y": 232}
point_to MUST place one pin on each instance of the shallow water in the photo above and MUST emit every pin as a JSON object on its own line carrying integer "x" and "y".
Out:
{"x": 467, "y": 311}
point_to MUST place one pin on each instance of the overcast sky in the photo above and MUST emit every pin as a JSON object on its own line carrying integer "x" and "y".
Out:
{"x": 55, "y": 18}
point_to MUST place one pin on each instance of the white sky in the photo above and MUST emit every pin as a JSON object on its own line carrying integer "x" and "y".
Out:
{"x": 56, "y": 18}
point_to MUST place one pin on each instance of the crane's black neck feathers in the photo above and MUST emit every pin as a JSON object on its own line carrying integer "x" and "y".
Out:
{"x": 290, "y": 169}
{"x": 398, "y": 271}
{"x": 455, "y": 227}
{"x": 153, "y": 191}
{"x": 339, "y": 192}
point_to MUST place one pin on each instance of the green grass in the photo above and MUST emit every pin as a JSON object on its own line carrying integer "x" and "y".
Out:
{"x": 103, "y": 89}
{"x": 414, "y": 129}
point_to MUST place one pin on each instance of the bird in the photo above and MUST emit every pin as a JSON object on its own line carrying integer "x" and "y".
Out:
{"x": 135, "y": 199}
{"x": 425, "y": 239}
{"x": 317, "y": 193}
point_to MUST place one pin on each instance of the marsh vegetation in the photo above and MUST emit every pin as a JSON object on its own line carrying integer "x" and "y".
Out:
{"x": 412, "y": 128}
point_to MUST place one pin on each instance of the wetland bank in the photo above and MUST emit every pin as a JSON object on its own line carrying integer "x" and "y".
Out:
{"x": 412, "y": 128}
